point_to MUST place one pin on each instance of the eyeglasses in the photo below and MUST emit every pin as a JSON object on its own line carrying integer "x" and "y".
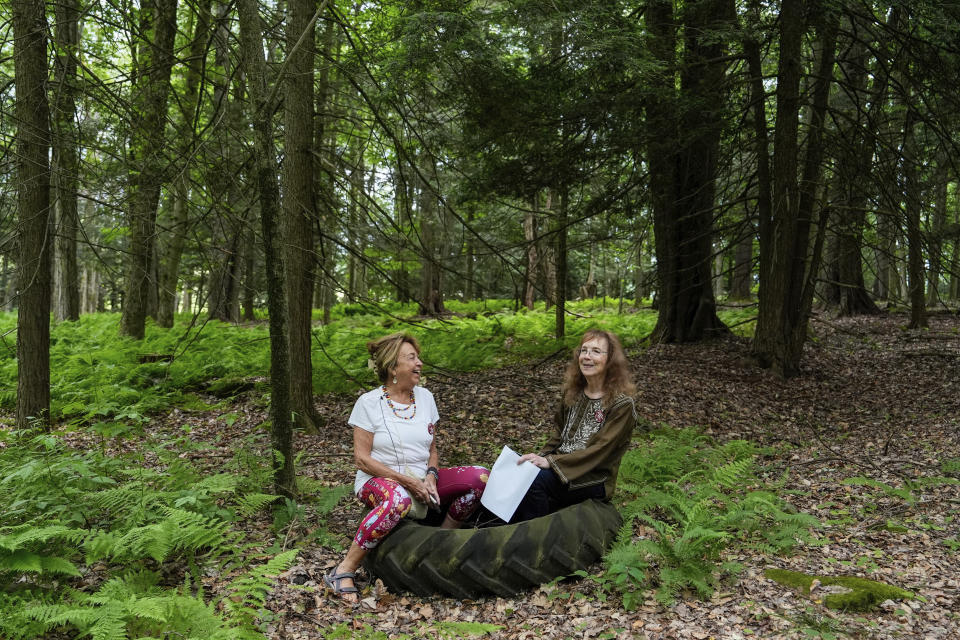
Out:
{"x": 411, "y": 357}
{"x": 590, "y": 351}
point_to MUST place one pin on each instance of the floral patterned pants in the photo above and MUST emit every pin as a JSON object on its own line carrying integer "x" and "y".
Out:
{"x": 459, "y": 488}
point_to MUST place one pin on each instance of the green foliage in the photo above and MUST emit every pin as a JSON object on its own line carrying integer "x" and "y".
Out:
{"x": 97, "y": 379}
{"x": 950, "y": 466}
{"x": 87, "y": 537}
{"x": 96, "y": 375}
{"x": 248, "y": 594}
{"x": 133, "y": 605}
{"x": 893, "y": 492}
{"x": 178, "y": 531}
{"x": 861, "y": 594}
{"x": 691, "y": 500}
{"x": 449, "y": 629}
{"x": 440, "y": 629}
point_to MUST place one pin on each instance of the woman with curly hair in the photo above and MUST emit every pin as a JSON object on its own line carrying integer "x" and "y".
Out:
{"x": 395, "y": 449}
{"x": 592, "y": 430}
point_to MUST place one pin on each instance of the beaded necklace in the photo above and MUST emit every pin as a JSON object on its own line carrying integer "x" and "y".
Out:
{"x": 396, "y": 412}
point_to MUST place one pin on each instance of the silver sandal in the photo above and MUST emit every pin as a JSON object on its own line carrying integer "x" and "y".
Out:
{"x": 333, "y": 581}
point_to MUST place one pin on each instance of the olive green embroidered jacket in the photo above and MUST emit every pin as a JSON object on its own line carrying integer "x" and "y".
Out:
{"x": 599, "y": 460}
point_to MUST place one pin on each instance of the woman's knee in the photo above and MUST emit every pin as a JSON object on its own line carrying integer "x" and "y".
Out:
{"x": 479, "y": 477}
{"x": 459, "y": 480}
{"x": 546, "y": 480}
{"x": 399, "y": 503}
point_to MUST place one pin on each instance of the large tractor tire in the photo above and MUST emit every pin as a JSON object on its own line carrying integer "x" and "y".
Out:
{"x": 504, "y": 560}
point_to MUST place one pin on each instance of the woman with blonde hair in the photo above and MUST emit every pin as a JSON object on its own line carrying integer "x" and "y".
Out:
{"x": 396, "y": 456}
{"x": 592, "y": 430}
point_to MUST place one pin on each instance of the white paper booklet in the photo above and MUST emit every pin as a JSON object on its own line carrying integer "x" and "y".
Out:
{"x": 507, "y": 484}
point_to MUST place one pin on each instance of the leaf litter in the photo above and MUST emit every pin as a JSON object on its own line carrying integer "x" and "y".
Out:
{"x": 865, "y": 439}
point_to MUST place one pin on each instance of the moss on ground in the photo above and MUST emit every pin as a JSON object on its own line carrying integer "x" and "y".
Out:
{"x": 863, "y": 594}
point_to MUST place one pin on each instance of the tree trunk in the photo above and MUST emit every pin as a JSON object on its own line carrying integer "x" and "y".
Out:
{"x": 169, "y": 267}
{"x": 66, "y": 161}
{"x": 470, "y": 261}
{"x": 530, "y": 237}
{"x": 431, "y": 289}
{"x": 913, "y": 199}
{"x": 158, "y": 27}
{"x": 33, "y": 209}
{"x": 742, "y": 281}
{"x": 955, "y": 264}
{"x": 325, "y": 140}
{"x": 225, "y": 275}
{"x": 589, "y": 288}
{"x": 685, "y": 143}
{"x": 172, "y": 252}
{"x": 788, "y": 269}
{"x": 886, "y": 286}
{"x": 561, "y": 266}
{"x": 861, "y": 112}
{"x": 8, "y": 287}
{"x": 268, "y": 191}
{"x": 249, "y": 272}
{"x": 934, "y": 246}
{"x": 547, "y": 251}
{"x": 718, "y": 272}
{"x": 187, "y": 301}
{"x": 90, "y": 301}
{"x": 356, "y": 232}
{"x": 299, "y": 207}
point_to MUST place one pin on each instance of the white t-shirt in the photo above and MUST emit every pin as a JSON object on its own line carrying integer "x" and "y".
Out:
{"x": 396, "y": 442}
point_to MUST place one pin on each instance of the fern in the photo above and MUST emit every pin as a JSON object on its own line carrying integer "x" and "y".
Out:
{"x": 690, "y": 496}
{"x": 180, "y": 530}
{"x": 904, "y": 494}
{"x": 133, "y": 606}
{"x": 248, "y": 593}
{"x": 731, "y": 474}
{"x": 16, "y": 554}
{"x": 247, "y": 505}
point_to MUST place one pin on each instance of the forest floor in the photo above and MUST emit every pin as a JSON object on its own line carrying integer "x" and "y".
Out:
{"x": 874, "y": 400}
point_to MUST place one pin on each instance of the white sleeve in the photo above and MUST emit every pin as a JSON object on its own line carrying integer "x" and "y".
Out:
{"x": 432, "y": 412}
{"x": 360, "y": 416}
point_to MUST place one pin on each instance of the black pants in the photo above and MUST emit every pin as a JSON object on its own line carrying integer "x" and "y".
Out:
{"x": 548, "y": 494}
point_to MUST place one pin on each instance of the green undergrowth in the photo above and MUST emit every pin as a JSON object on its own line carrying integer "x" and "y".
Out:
{"x": 859, "y": 594}
{"x": 101, "y": 379}
{"x": 129, "y": 545}
{"x": 446, "y": 630}
{"x": 690, "y": 502}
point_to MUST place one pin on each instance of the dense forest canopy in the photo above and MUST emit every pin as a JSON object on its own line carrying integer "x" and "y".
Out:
{"x": 190, "y": 157}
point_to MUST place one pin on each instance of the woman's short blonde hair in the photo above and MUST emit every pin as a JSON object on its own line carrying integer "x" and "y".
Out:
{"x": 385, "y": 351}
{"x": 617, "y": 378}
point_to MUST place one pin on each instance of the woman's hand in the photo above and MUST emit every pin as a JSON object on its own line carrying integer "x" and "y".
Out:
{"x": 431, "y": 483}
{"x": 540, "y": 461}
{"x": 416, "y": 488}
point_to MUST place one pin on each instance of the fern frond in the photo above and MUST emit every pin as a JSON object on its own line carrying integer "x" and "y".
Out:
{"x": 22, "y": 560}
{"x": 130, "y": 501}
{"x": 221, "y": 483}
{"x": 111, "y": 623}
{"x": 20, "y": 537}
{"x": 697, "y": 541}
{"x": 731, "y": 474}
{"x": 330, "y": 496}
{"x": 180, "y": 530}
{"x": 249, "y": 592}
{"x": 248, "y": 504}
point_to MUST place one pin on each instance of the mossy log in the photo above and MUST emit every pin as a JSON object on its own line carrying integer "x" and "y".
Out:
{"x": 229, "y": 387}
{"x": 861, "y": 594}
